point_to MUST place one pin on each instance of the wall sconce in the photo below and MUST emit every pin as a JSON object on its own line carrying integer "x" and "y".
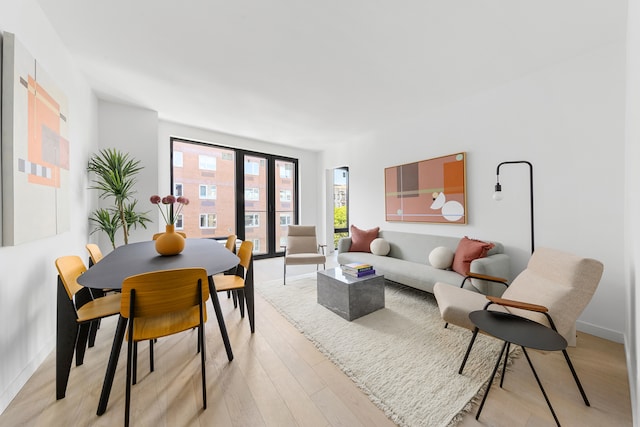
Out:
{"x": 498, "y": 191}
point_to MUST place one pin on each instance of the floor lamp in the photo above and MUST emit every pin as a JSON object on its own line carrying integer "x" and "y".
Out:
{"x": 498, "y": 190}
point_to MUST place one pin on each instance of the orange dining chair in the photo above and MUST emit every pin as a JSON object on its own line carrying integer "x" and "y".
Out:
{"x": 77, "y": 309}
{"x": 241, "y": 282}
{"x": 159, "y": 304}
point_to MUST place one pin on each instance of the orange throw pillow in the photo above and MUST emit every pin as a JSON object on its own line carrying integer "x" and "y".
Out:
{"x": 467, "y": 251}
{"x": 361, "y": 239}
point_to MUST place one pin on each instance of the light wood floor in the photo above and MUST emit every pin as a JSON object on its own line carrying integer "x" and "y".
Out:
{"x": 278, "y": 378}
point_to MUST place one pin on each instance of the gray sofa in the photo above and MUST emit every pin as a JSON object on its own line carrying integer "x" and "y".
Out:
{"x": 408, "y": 262}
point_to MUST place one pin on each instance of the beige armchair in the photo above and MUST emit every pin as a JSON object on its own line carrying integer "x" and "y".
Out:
{"x": 302, "y": 248}
{"x": 558, "y": 281}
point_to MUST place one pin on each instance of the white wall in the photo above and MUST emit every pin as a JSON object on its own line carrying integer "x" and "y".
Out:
{"x": 632, "y": 225}
{"x": 310, "y": 176}
{"x": 132, "y": 130}
{"x": 568, "y": 120}
{"x": 28, "y": 282}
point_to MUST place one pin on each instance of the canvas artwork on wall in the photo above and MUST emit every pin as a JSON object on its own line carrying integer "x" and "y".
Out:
{"x": 35, "y": 149}
{"x": 432, "y": 190}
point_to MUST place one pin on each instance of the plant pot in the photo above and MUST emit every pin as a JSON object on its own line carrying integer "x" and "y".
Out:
{"x": 169, "y": 242}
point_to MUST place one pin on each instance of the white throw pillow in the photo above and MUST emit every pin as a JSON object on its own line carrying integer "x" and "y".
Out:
{"x": 441, "y": 257}
{"x": 380, "y": 247}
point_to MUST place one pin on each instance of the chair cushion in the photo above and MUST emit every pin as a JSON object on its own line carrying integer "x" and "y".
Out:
{"x": 467, "y": 251}
{"x": 456, "y": 303}
{"x": 306, "y": 258}
{"x": 361, "y": 239}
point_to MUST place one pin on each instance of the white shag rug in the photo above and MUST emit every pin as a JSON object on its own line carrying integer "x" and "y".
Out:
{"x": 401, "y": 356}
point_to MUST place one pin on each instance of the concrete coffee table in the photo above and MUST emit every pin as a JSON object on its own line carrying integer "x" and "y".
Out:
{"x": 350, "y": 297}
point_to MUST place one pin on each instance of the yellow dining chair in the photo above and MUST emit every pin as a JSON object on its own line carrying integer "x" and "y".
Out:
{"x": 241, "y": 282}
{"x": 159, "y": 304}
{"x": 95, "y": 254}
{"x": 77, "y": 309}
{"x": 155, "y": 236}
{"x": 230, "y": 244}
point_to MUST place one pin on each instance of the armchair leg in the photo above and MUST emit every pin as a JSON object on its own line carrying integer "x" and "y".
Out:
{"x": 575, "y": 377}
{"x": 466, "y": 356}
{"x": 285, "y": 274}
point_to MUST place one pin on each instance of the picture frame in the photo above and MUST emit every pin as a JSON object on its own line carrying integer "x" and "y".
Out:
{"x": 431, "y": 191}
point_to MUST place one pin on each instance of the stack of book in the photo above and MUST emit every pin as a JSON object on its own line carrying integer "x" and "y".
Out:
{"x": 357, "y": 270}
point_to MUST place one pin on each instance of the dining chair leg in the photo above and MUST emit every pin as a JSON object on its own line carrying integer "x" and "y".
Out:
{"x": 81, "y": 342}
{"x": 219, "y": 316}
{"x": 151, "y": 359}
{"x": 241, "y": 298}
{"x": 201, "y": 339}
{"x": 118, "y": 338}
{"x": 249, "y": 293}
{"x": 66, "y": 334}
{"x": 134, "y": 364}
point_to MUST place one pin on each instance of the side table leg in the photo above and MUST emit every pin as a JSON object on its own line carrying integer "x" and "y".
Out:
{"x": 541, "y": 388}
{"x": 504, "y": 367}
{"x": 493, "y": 374}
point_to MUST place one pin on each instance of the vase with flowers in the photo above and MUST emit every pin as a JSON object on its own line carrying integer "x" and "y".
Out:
{"x": 169, "y": 242}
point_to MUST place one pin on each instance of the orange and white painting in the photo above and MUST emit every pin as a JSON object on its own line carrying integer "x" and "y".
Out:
{"x": 35, "y": 149}
{"x": 432, "y": 190}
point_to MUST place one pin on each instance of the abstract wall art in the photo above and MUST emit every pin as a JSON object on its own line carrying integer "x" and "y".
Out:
{"x": 35, "y": 149}
{"x": 432, "y": 190}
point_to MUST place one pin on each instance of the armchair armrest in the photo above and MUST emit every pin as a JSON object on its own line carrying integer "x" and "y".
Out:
{"x": 517, "y": 304}
{"x": 486, "y": 277}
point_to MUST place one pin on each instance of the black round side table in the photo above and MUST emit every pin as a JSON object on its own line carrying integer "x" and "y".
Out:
{"x": 524, "y": 332}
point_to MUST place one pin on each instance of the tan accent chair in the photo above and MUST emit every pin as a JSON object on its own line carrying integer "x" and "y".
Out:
{"x": 558, "y": 281}
{"x": 159, "y": 304}
{"x": 302, "y": 248}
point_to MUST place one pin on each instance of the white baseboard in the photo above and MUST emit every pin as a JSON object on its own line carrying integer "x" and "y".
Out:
{"x": 16, "y": 385}
{"x": 601, "y": 332}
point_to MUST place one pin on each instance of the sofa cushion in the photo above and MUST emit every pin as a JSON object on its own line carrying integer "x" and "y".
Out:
{"x": 361, "y": 239}
{"x": 380, "y": 247}
{"x": 441, "y": 257}
{"x": 467, "y": 251}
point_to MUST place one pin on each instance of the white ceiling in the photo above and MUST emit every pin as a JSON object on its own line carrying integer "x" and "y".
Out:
{"x": 308, "y": 74}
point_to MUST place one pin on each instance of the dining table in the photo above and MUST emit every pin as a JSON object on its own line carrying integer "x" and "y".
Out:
{"x": 142, "y": 257}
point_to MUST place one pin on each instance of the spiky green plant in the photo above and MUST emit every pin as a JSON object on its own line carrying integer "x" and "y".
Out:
{"x": 115, "y": 177}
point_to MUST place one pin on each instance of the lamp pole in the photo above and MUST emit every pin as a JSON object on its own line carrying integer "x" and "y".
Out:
{"x": 498, "y": 190}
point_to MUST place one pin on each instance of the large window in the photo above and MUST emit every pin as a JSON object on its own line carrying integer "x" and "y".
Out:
{"x": 232, "y": 191}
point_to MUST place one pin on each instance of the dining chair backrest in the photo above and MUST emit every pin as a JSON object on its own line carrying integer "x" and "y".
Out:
{"x": 244, "y": 253}
{"x": 70, "y": 267}
{"x": 95, "y": 254}
{"x": 231, "y": 243}
{"x": 166, "y": 291}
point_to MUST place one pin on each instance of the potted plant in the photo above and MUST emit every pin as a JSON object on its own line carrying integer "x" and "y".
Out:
{"x": 115, "y": 176}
